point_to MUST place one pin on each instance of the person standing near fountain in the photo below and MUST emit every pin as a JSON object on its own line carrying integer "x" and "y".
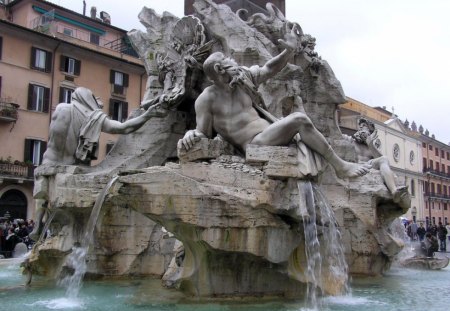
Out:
{"x": 442, "y": 234}
{"x": 74, "y": 134}
{"x": 230, "y": 107}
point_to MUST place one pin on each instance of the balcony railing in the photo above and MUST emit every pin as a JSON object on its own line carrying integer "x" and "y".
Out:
{"x": 436, "y": 173}
{"x": 437, "y": 195}
{"x": 8, "y": 110}
{"x": 15, "y": 170}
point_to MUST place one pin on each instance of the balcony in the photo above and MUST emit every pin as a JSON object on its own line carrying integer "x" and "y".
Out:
{"x": 439, "y": 196}
{"x": 49, "y": 24}
{"x": 8, "y": 110}
{"x": 16, "y": 171}
{"x": 435, "y": 173}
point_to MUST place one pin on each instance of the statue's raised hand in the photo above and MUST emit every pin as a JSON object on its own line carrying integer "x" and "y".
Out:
{"x": 292, "y": 37}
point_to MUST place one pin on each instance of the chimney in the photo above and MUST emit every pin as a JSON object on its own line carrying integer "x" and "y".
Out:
{"x": 84, "y": 8}
{"x": 93, "y": 12}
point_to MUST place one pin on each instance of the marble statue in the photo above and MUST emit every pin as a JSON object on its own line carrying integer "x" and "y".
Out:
{"x": 364, "y": 141}
{"x": 228, "y": 107}
{"x": 74, "y": 134}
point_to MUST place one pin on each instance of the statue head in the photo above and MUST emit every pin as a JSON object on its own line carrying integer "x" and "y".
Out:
{"x": 365, "y": 129}
{"x": 86, "y": 98}
{"x": 308, "y": 41}
{"x": 217, "y": 67}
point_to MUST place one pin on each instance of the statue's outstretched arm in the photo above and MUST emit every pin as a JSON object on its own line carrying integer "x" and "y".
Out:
{"x": 277, "y": 63}
{"x": 129, "y": 126}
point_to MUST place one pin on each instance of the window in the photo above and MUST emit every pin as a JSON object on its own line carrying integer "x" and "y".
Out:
{"x": 68, "y": 32}
{"x": 118, "y": 110}
{"x": 438, "y": 189}
{"x": 442, "y": 154}
{"x": 440, "y": 219}
{"x": 445, "y": 207}
{"x": 437, "y": 166}
{"x": 95, "y": 39}
{"x": 41, "y": 60}
{"x": 427, "y": 220}
{"x": 109, "y": 146}
{"x": 436, "y": 151}
{"x": 431, "y": 164}
{"x": 446, "y": 221}
{"x": 119, "y": 81}
{"x": 448, "y": 169}
{"x": 430, "y": 147}
{"x": 424, "y": 145}
{"x": 432, "y": 187}
{"x": 424, "y": 160}
{"x": 443, "y": 168}
{"x": 434, "y": 220}
{"x": 448, "y": 153}
{"x": 65, "y": 95}
{"x": 38, "y": 98}
{"x": 34, "y": 149}
{"x": 413, "y": 187}
{"x": 445, "y": 189}
{"x": 1, "y": 46}
{"x": 70, "y": 65}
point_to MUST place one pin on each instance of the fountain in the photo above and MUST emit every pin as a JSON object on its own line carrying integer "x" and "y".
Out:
{"x": 267, "y": 221}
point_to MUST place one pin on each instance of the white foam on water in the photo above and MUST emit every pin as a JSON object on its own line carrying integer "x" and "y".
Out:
{"x": 350, "y": 300}
{"x": 59, "y": 304}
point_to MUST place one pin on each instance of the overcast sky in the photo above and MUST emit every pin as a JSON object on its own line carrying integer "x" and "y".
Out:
{"x": 393, "y": 53}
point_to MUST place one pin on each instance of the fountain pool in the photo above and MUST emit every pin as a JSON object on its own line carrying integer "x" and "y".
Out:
{"x": 399, "y": 289}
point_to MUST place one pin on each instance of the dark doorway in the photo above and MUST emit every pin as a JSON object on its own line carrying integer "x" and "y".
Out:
{"x": 14, "y": 203}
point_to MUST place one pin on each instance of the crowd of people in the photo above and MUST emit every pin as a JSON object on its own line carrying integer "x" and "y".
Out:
{"x": 432, "y": 239}
{"x": 14, "y": 232}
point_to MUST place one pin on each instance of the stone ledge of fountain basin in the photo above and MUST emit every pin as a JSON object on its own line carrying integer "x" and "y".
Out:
{"x": 224, "y": 208}
{"x": 364, "y": 207}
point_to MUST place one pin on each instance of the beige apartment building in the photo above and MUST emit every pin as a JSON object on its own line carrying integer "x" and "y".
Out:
{"x": 46, "y": 51}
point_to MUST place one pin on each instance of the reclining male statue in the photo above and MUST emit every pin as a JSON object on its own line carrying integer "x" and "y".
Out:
{"x": 364, "y": 142}
{"x": 230, "y": 107}
{"x": 74, "y": 134}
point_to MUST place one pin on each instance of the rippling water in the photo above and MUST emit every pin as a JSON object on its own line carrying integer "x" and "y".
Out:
{"x": 400, "y": 289}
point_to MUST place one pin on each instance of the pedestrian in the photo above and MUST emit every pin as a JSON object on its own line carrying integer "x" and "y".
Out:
{"x": 442, "y": 235}
{"x": 421, "y": 232}
{"x": 413, "y": 230}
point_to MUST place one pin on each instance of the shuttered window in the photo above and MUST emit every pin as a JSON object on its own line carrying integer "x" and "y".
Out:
{"x": 41, "y": 59}
{"x": 38, "y": 98}
{"x": 70, "y": 65}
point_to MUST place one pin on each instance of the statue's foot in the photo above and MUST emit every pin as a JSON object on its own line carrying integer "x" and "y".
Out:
{"x": 349, "y": 170}
{"x": 402, "y": 198}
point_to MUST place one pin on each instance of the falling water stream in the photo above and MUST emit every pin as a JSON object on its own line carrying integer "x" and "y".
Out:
{"x": 77, "y": 259}
{"x": 320, "y": 212}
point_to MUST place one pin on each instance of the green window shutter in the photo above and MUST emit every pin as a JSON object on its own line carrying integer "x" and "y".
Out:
{"x": 62, "y": 63}
{"x": 48, "y": 61}
{"x": 46, "y": 99}
{"x": 77, "y": 67}
{"x": 27, "y": 150}
{"x": 30, "y": 96}
{"x": 33, "y": 57}
{"x": 124, "y": 111}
